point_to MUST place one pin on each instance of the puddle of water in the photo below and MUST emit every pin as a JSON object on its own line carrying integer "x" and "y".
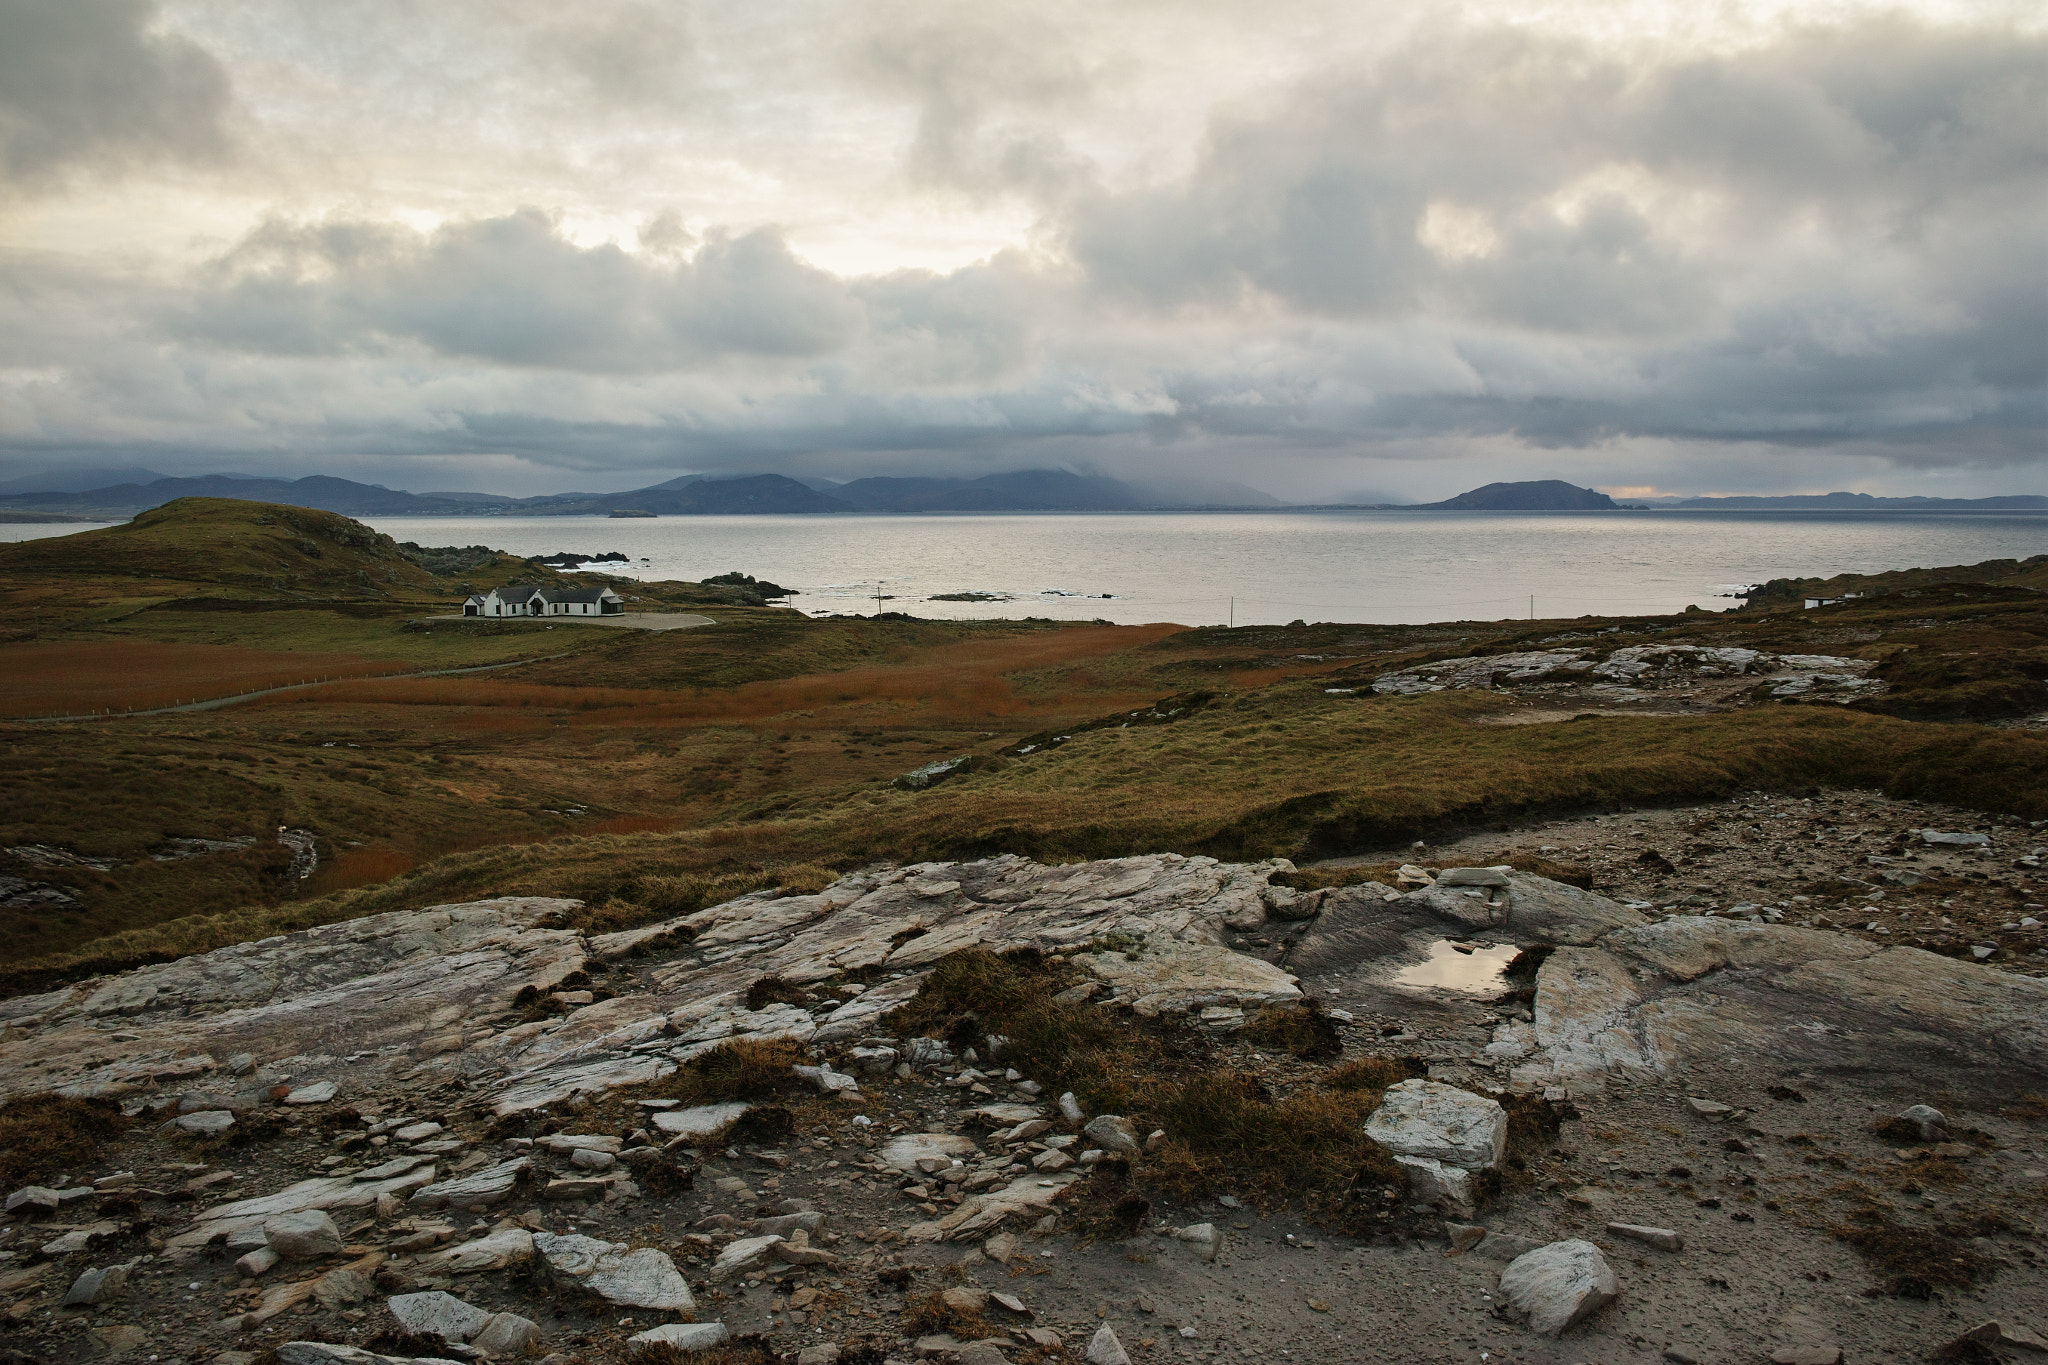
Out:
{"x": 1477, "y": 972}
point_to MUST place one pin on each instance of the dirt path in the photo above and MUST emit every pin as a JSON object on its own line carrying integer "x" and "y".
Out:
{"x": 215, "y": 703}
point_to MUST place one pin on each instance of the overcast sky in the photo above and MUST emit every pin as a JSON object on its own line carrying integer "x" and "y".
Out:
{"x": 1326, "y": 248}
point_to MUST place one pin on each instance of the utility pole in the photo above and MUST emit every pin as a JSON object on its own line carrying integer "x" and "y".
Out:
{"x": 879, "y": 585}
{"x": 1233, "y": 614}
{"x": 1532, "y": 606}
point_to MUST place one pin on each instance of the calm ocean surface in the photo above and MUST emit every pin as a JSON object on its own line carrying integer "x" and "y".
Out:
{"x": 1386, "y": 567}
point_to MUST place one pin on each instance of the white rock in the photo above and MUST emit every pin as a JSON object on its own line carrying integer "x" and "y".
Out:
{"x": 1558, "y": 1285}
{"x": 1931, "y": 1122}
{"x": 748, "y": 1253}
{"x": 437, "y": 1314}
{"x": 1070, "y": 1108}
{"x": 495, "y": 1251}
{"x": 906, "y": 1150}
{"x": 317, "y": 1093}
{"x": 590, "y": 1159}
{"x": 416, "y": 1132}
{"x": 559, "y": 1143}
{"x": 257, "y": 1261}
{"x": 1664, "y": 1239}
{"x": 481, "y": 1187}
{"x": 645, "y": 1278}
{"x": 683, "y": 1336}
{"x": 206, "y": 1122}
{"x": 1439, "y": 1122}
{"x": 1205, "y": 1238}
{"x": 506, "y": 1334}
{"x": 97, "y": 1286}
{"x": 1113, "y": 1132}
{"x": 825, "y": 1080}
{"x": 303, "y": 1236}
{"x": 324, "y": 1353}
{"x": 1105, "y": 1349}
{"x": 700, "y": 1121}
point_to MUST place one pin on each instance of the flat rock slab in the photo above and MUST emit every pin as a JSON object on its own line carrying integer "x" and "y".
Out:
{"x": 483, "y": 1187}
{"x": 495, "y": 1251}
{"x": 205, "y": 1123}
{"x": 1173, "y": 975}
{"x": 322, "y": 1353}
{"x": 681, "y": 1336}
{"x": 904, "y": 1152}
{"x": 437, "y": 1314}
{"x": 645, "y": 1278}
{"x": 700, "y": 1121}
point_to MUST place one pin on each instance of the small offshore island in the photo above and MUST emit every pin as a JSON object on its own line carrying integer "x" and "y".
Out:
{"x": 707, "y": 982}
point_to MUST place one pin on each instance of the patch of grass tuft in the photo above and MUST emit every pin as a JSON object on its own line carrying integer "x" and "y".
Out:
{"x": 746, "y": 1070}
{"x": 1375, "y": 1073}
{"x": 1914, "y": 1261}
{"x": 773, "y": 990}
{"x": 1301, "y": 1030}
{"x": 43, "y": 1133}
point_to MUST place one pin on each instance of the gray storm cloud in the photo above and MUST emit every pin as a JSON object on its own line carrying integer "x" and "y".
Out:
{"x": 1831, "y": 243}
{"x": 85, "y": 85}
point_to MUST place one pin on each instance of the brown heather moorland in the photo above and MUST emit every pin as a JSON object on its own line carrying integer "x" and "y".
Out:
{"x": 649, "y": 773}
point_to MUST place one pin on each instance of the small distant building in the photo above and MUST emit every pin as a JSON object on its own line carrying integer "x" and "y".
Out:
{"x": 1813, "y": 602}
{"x": 545, "y": 602}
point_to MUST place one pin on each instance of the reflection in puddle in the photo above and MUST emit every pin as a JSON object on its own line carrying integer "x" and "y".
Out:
{"x": 1476, "y": 971}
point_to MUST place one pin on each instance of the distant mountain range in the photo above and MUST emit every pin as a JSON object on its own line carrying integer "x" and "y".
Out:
{"x": 1025, "y": 490}
{"x": 1864, "y": 502}
{"x": 1029, "y": 490}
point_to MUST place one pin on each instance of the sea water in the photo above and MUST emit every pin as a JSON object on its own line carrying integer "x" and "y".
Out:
{"x": 1213, "y": 568}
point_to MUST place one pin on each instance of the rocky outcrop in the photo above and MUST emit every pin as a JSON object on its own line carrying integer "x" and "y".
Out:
{"x": 428, "y": 994}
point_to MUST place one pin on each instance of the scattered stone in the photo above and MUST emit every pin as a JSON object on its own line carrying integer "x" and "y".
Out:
{"x": 501, "y": 1248}
{"x": 97, "y": 1286}
{"x": 303, "y": 1236}
{"x": 739, "y": 1257}
{"x": 1440, "y": 1135}
{"x": 787, "y": 1224}
{"x": 119, "y": 1339}
{"x": 320, "y": 1092}
{"x": 506, "y": 1334}
{"x": 680, "y": 1336}
{"x": 1807, "y": 1355}
{"x": 416, "y": 1132}
{"x": 1112, "y": 1132}
{"x": 1949, "y": 839}
{"x": 965, "y": 1298}
{"x": 589, "y": 1159}
{"x": 700, "y": 1121}
{"x": 1000, "y": 1248}
{"x": 1661, "y": 1238}
{"x": 484, "y": 1187}
{"x": 827, "y": 1353}
{"x": 2010, "y": 1334}
{"x": 31, "y": 1200}
{"x": 980, "y": 1353}
{"x": 205, "y": 1123}
{"x": 1931, "y": 1122}
{"x": 568, "y": 1144}
{"x": 1206, "y": 1239}
{"x": 1105, "y": 1349}
{"x": 1070, "y": 1108}
{"x": 1709, "y": 1109}
{"x": 1558, "y": 1286}
{"x": 437, "y": 1314}
{"x": 257, "y": 1262}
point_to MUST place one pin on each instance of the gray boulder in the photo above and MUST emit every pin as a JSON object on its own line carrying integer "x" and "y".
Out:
{"x": 302, "y": 1236}
{"x": 1557, "y": 1286}
{"x": 437, "y": 1314}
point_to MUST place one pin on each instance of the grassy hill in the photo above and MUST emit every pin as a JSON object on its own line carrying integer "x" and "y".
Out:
{"x": 253, "y": 547}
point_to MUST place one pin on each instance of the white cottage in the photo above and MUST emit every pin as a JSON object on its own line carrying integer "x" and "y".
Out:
{"x": 545, "y": 602}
